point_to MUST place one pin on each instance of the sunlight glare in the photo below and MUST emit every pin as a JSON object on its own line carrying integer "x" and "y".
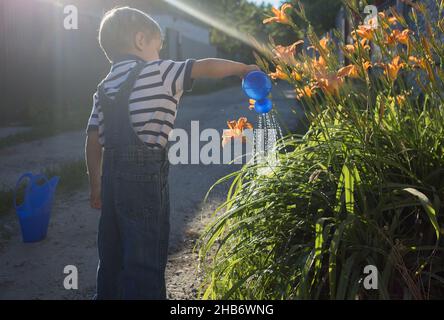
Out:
{"x": 223, "y": 26}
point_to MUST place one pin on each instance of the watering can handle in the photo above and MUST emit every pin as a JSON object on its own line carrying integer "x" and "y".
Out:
{"x": 37, "y": 177}
{"x": 28, "y": 187}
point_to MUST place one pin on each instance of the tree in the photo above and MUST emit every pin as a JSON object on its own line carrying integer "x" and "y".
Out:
{"x": 247, "y": 17}
{"x": 322, "y": 14}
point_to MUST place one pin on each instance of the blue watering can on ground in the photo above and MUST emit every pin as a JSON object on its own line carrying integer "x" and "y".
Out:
{"x": 35, "y": 210}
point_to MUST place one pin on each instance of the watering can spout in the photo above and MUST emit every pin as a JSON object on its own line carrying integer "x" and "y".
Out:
{"x": 53, "y": 182}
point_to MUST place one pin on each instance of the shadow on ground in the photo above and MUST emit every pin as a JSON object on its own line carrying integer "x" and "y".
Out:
{"x": 35, "y": 271}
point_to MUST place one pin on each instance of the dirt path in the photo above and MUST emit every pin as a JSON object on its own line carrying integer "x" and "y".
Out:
{"x": 38, "y": 155}
{"x": 35, "y": 271}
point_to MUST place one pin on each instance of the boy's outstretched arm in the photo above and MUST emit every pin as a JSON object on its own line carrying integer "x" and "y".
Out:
{"x": 93, "y": 155}
{"x": 220, "y": 68}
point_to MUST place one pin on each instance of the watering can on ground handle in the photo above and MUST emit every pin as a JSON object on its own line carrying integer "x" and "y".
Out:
{"x": 35, "y": 211}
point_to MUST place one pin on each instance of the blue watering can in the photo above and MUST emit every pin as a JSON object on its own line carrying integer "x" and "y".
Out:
{"x": 35, "y": 210}
{"x": 257, "y": 85}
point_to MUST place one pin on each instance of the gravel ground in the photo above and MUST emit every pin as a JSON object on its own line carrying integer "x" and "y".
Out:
{"x": 35, "y": 271}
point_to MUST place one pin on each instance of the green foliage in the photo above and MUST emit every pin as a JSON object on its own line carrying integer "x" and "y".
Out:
{"x": 242, "y": 15}
{"x": 332, "y": 206}
{"x": 46, "y": 120}
{"x": 72, "y": 175}
{"x": 364, "y": 186}
{"x": 321, "y": 14}
{"x": 247, "y": 17}
{"x": 6, "y": 198}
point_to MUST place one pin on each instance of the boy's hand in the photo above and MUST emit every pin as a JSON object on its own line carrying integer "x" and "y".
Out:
{"x": 95, "y": 200}
{"x": 248, "y": 69}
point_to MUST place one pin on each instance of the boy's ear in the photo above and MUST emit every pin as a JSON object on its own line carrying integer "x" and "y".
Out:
{"x": 140, "y": 41}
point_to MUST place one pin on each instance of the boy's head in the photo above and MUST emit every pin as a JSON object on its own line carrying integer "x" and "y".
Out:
{"x": 127, "y": 30}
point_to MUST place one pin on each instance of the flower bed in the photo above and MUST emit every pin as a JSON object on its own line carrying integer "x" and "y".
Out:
{"x": 364, "y": 186}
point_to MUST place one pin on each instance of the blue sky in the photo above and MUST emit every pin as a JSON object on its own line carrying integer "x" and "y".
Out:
{"x": 275, "y": 3}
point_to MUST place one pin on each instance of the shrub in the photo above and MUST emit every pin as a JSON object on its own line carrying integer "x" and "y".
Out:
{"x": 364, "y": 186}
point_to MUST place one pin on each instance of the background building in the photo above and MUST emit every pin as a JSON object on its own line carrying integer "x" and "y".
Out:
{"x": 47, "y": 69}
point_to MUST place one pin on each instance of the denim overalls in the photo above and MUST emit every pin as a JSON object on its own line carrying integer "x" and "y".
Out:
{"x": 134, "y": 225}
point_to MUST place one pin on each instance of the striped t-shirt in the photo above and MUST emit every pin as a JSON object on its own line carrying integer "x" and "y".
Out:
{"x": 153, "y": 100}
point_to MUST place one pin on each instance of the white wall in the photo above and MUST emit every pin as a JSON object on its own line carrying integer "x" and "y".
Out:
{"x": 188, "y": 29}
{"x": 185, "y": 39}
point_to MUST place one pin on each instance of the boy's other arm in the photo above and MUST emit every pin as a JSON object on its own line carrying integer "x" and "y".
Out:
{"x": 220, "y": 68}
{"x": 93, "y": 155}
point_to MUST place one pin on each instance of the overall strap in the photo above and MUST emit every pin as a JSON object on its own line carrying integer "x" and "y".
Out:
{"x": 119, "y": 132}
{"x": 125, "y": 89}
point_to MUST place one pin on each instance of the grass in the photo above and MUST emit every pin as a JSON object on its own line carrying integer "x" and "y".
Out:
{"x": 46, "y": 120}
{"x": 35, "y": 133}
{"x": 72, "y": 177}
{"x": 6, "y": 199}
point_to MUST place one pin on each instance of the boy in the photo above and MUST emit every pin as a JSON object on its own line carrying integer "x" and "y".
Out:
{"x": 134, "y": 111}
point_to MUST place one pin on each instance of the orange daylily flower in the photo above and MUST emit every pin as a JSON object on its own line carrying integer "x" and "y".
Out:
{"x": 323, "y": 43}
{"x": 367, "y": 65}
{"x": 296, "y": 75}
{"x": 404, "y": 36}
{"x": 364, "y": 32}
{"x": 390, "y": 20}
{"x": 418, "y": 62}
{"x": 286, "y": 54}
{"x": 352, "y": 48}
{"x": 328, "y": 82}
{"x": 399, "y": 37}
{"x": 392, "y": 68}
{"x": 252, "y": 102}
{"x": 279, "y": 74}
{"x": 351, "y": 71}
{"x": 331, "y": 84}
{"x": 279, "y": 15}
{"x": 306, "y": 91}
{"x": 400, "y": 99}
{"x": 319, "y": 66}
{"x": 391, "y": 38}
{"x": 236, "y": 130}
{"x": 364, "y": 44}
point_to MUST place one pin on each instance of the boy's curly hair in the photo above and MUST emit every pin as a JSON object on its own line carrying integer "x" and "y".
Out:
{"x": 119, "y": 26}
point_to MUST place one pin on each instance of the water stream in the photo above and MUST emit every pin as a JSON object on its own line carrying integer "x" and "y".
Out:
{"x": 267, "y": 134}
